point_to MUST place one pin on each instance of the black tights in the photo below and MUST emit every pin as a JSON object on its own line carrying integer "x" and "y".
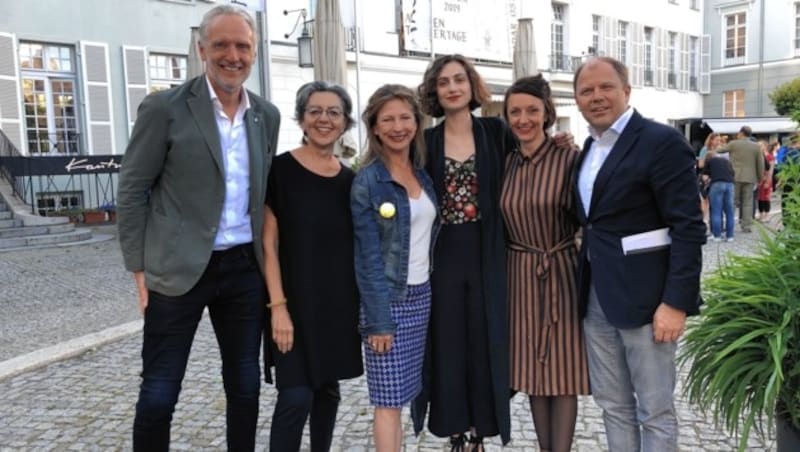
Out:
{"x": 554, "y": 419}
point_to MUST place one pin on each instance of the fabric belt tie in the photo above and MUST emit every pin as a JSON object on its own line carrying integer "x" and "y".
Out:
{"x": 546, "y": 290}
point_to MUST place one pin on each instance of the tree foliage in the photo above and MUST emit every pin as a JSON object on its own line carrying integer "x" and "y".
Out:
{"x": 786, "y": 99}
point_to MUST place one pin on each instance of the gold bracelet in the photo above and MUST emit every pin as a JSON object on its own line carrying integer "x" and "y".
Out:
{"x": 276, "y": 303}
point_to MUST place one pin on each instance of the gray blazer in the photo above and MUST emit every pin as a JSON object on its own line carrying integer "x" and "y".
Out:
{"x": 172, "y": 185}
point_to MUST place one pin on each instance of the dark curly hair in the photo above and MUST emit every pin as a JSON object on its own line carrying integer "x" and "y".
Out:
{"x": 535, "y": 86}
{"x": 429, "y": 99}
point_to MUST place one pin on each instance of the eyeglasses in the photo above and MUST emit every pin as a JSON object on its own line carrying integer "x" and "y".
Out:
{"x": 334, "y": 114}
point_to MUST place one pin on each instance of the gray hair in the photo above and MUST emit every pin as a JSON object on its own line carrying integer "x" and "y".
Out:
{"x": 305, "y": 92}
{"x": 224, "y": 10}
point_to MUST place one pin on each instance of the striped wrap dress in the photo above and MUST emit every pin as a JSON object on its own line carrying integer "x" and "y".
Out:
{"x": 547, "y": 352}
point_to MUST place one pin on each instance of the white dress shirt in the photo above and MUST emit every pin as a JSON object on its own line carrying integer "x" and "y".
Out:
{"x": 234, "y": 224}
{"x": 596, "y": 155}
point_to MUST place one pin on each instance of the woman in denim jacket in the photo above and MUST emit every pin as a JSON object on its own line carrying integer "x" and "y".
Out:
{"x": 395, "y": 220}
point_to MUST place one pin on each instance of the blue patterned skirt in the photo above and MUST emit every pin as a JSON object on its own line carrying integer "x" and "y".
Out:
{"x": 395, "y": 378}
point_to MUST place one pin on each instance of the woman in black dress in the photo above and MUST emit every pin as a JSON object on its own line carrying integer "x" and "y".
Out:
{"x": 312, "y": 335}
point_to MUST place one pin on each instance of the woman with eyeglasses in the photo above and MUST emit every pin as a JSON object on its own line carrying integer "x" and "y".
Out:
{"x": 312, "y": 336}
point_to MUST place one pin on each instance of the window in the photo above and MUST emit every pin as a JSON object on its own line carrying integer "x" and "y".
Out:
{"x": 797, "y": 29}
{"x": 733, "y": 104}
{"x": 622, "y": 41}
{"x": 649, "y": 53}
{"x": 672, "y": 63}
{"x": 166, "y": 71}
{"x": 558, "y": 60}
{"x": 55, "y": 201}
{"x": 595, "y": 34}
{"x": 47, "y": 72}
{"x": 735, "y": 38}
{"x": 693, "y": 62}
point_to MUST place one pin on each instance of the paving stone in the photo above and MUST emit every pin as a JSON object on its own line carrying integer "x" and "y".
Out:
{"x": 87, "y": 402}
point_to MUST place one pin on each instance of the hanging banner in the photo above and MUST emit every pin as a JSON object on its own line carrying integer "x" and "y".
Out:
{"x": 253, "y": 5}
{"x": 477, "y": 29}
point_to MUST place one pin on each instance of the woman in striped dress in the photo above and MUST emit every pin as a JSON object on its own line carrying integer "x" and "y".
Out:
{"x": 548, "y": 358}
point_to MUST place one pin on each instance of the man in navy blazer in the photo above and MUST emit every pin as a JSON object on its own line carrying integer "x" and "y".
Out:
{"x": 191, "y": 213}
{"x": 635, "y": 176}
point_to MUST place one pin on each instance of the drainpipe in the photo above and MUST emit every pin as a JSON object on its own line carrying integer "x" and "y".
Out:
{"x": 761, "y": 59}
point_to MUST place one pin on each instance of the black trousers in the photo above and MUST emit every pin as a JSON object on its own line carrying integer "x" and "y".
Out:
{"x": 234, "y": 291}
{"x": 294, "y": 406}
{"x": 461, "y": 389}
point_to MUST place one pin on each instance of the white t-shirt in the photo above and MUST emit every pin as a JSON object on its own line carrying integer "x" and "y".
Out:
{"x": 423, "y": 213}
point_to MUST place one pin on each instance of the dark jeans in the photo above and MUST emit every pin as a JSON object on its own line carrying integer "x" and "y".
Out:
{"x": 233, "y": 290}
{"x": 293, "y": 408}
{"x": 721, "y": 196}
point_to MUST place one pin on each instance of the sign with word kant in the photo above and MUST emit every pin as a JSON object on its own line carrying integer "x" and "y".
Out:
{"x": 83, "y": 164}
{"x": 478, "y": 29}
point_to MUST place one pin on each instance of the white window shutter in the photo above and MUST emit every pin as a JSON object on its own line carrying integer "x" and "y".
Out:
{"x": 663, "y": 57}
{"x": 637, "y": 50}
{"x": 97, "y": 92}
{"x": 10, "y": 99}
{"x": 134, "y": 60}
{"x": 705, "y": 64}
{"x": 610, "y": 37}
{"x": 684, "y": 81}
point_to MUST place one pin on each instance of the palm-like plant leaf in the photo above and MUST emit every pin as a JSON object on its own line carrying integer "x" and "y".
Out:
{"x": 743, "y": 351}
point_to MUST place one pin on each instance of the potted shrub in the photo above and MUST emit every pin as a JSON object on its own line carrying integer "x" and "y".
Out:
{"x": 72, "y": 214}
{"x": 743, "y": 350}
{"x": 94, "y": 216}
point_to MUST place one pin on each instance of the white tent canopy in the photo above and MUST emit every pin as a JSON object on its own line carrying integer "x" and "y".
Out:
{"x": 775, "y": 124}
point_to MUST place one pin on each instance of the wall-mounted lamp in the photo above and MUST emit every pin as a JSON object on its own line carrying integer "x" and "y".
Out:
{"x": 305, "y": 53}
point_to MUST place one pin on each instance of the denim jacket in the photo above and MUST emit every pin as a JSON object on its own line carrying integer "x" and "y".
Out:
{"x": 382, "y": 244}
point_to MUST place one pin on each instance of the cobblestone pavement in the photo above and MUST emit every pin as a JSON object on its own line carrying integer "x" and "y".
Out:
{"x": 54, "y": 294}
{"x": 87, "y": 402}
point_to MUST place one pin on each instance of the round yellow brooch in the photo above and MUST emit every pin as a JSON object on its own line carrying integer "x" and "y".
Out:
{"x": 387, "y": 210}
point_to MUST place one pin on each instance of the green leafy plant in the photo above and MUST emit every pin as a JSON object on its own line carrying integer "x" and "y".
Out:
{"x": 743, "y": 351}
{"x": 786, "y": 99}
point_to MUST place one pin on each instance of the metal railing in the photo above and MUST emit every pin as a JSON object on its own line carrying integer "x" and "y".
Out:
{"x": 350, "y": 39}
{"x": 34, "y": 178}
{"x": 735, "y": 60}
{"x": 648, "y": 77}
{"x": 564, "y": 63}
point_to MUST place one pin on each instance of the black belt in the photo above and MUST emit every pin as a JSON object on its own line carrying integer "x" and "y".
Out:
{"x": 245, "y": 249}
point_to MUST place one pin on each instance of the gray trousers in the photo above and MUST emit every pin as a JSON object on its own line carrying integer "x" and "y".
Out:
{"x": 743, "y": 197}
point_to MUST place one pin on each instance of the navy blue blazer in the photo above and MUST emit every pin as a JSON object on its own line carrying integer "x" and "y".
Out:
{"x": 647, "y": 182}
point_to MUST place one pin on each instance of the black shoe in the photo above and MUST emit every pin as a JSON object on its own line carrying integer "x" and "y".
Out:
{"x": 476, "y": 443}
{"x": 458, "y": 443}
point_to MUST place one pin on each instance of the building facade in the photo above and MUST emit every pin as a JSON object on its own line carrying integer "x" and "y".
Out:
{"x": 755, "y": 47}
{"x": 72, "y": 73}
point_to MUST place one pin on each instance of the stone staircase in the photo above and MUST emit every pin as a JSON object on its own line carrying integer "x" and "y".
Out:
{"x": 14, "y": 234}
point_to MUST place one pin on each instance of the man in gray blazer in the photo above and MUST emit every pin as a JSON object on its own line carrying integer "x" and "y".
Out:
{"x": 748, "y": 169}
{"x": 191, "y": 201}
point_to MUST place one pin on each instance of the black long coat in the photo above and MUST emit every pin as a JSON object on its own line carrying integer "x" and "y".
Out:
{"x": 493, "y": 140}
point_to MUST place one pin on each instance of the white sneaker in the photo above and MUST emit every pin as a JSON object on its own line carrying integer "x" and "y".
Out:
{"x": 729, "y": 239}
{"x": 716, "y": 239}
